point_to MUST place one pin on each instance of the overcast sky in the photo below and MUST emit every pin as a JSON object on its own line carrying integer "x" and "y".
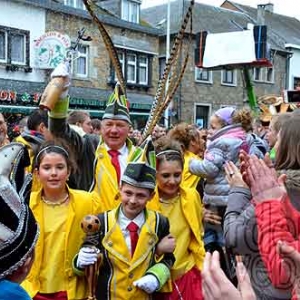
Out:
{"x": 284, "y": 7}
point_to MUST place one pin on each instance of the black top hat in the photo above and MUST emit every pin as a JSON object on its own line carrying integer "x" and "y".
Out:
{"x": 18, "y": 228}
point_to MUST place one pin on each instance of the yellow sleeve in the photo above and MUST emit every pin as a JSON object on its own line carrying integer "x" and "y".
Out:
{"x": 197, "y": 244}
{"x": 97, "y": 203}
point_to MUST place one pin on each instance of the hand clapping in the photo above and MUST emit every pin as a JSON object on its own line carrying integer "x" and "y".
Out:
{"x": 264, "y": 183}
{"x": 216, "y": 285}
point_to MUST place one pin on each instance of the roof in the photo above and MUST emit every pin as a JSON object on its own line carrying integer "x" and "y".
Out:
{"x": 205, "y": 18}
{"x": 283, "y": 27}
{"x": 103, "y": 15}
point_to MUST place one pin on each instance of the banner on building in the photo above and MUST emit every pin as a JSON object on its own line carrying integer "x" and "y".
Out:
{"x": 50, "y": 49}
{"x": 233, "y": 49}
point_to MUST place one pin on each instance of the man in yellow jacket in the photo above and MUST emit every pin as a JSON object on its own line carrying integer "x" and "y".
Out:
{"x": 134, "y": 265}
{"x": 101, "y": 160}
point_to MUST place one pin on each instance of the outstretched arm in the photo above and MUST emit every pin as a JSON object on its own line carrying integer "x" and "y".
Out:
{"x": 210, "y": 166}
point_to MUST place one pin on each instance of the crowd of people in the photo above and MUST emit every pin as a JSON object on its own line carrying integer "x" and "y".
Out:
{"x": 187, "y": 213}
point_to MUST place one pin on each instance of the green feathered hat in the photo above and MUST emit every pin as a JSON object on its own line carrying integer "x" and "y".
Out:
{"x": 141, "y": 169}
{"x": 117, "y": 106}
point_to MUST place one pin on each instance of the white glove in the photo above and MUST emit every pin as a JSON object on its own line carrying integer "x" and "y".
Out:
{"x": 63, "y": 70}
{"x": 148, "y": 283}
{"x": 87, "y": 256}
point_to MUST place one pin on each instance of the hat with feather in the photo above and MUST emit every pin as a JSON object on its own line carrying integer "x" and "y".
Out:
{"x": 117, "y": 106}
{"x": 141, "y": 169}
{"x": 18, "y": 228}
{"x": 271, "y": 105}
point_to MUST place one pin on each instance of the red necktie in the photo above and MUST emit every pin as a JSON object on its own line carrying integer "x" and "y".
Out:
{"x": 134, "y": 236}
{"x": 115, "y": 162}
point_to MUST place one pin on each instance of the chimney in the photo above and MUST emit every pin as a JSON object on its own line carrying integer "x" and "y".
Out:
{"x": 261, "y": 11}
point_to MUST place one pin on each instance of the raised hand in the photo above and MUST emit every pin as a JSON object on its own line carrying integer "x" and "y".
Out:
{"x": 264, "y": 183}
{"x": 234, "y": 176}
{"x": 216, "y": 286}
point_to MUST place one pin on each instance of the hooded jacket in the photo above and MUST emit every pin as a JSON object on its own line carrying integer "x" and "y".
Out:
{"x": 240, "y": 233}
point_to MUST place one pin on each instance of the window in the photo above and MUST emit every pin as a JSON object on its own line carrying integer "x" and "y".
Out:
{"x": 122, "y": 62}
{"x": 143, "y": 70}
{"x": 131, "y": 68}
{"x": 296, "y": 83}
{"x": 18, "y": 48}
{"x": 135, "y": 67}
{"x": 270, "y": 75}
{"x": 162, "y": 65}
{"x": 257, "y": 74}
{"x": 202, "y": 113}
{"x": 75, "y": 3}
{"x": 203, "y": 75}
{"x": 263, "y": 75}
{"x": 3, "y": 43}
{"x": 14, "y": 46}
{"x": 130, "y": 11}
{"x": 229, "y": 77}
{"x": 81, "y": 63}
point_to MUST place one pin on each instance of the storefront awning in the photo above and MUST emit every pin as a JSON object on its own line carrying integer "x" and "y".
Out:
{"x": 26, "y": 110}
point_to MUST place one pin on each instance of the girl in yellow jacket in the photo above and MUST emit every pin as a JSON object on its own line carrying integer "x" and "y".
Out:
{"x": 59, "y": 211}
{"x": 182, "y": 206}
{"x": 192, "y": 144}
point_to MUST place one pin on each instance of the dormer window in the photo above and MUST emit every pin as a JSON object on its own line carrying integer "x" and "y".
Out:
{"x": 75, "y": 3}
{"x": 131, "y": 11}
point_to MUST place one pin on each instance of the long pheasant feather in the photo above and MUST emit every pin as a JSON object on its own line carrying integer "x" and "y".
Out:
{"x": 175, "y": 80}
{"x": 91, "y": 8}
{"x": 161, "y": 94}
{"x": 174, "y": 87}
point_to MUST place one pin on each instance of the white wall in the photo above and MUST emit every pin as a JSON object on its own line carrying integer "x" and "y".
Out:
{"x": 294, "y": 67}
{"x": 26, "y": 17}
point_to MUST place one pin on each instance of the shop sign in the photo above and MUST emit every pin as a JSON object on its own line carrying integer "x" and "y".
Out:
{"x": 14, "y": 98}
{"x": 50, "y": 49}
{"x": 7, "y": 96}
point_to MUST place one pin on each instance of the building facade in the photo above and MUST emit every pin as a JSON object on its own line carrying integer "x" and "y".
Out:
{"x": 140, "y": 37}
{"x": 93, "y": 77}
{"x": 203, "y": 91}
{"x": 284, "y": 29}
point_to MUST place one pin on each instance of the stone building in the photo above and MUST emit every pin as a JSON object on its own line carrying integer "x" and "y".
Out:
{"x": 284, "y": 28}
{"x": 93, "y": 77}
{"x": 202, "y": 91}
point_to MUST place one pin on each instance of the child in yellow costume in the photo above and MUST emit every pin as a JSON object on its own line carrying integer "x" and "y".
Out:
{"x": 130, "y": 238}
{"x": 182, "y": 206}
{"x": 59, "y": 211}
